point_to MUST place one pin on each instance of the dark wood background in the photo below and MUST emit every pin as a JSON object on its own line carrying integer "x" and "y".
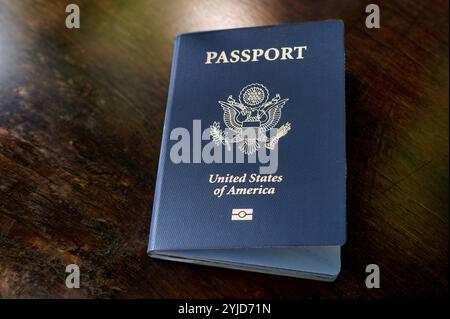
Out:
{"x": 81, "y": 114}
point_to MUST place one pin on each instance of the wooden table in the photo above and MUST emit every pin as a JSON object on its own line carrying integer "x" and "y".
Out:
{"x": 81, "y": 114}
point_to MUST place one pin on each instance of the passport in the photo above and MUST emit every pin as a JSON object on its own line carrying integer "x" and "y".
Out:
{"x": 252, "y": 167}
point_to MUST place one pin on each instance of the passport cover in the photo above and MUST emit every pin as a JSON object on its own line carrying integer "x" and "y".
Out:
{"x": 287, "y": 85}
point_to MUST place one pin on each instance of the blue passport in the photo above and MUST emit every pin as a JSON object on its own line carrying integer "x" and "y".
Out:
{"x": 252, "y": 169}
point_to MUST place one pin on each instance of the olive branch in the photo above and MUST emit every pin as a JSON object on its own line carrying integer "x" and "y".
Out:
{"x": 219, "y": 136}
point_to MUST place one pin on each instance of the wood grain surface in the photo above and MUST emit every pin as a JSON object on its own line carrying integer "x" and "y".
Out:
{"x": 81, "y": 116}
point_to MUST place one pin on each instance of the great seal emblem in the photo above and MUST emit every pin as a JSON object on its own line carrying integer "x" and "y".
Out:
{"x": 250, "y": 118}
